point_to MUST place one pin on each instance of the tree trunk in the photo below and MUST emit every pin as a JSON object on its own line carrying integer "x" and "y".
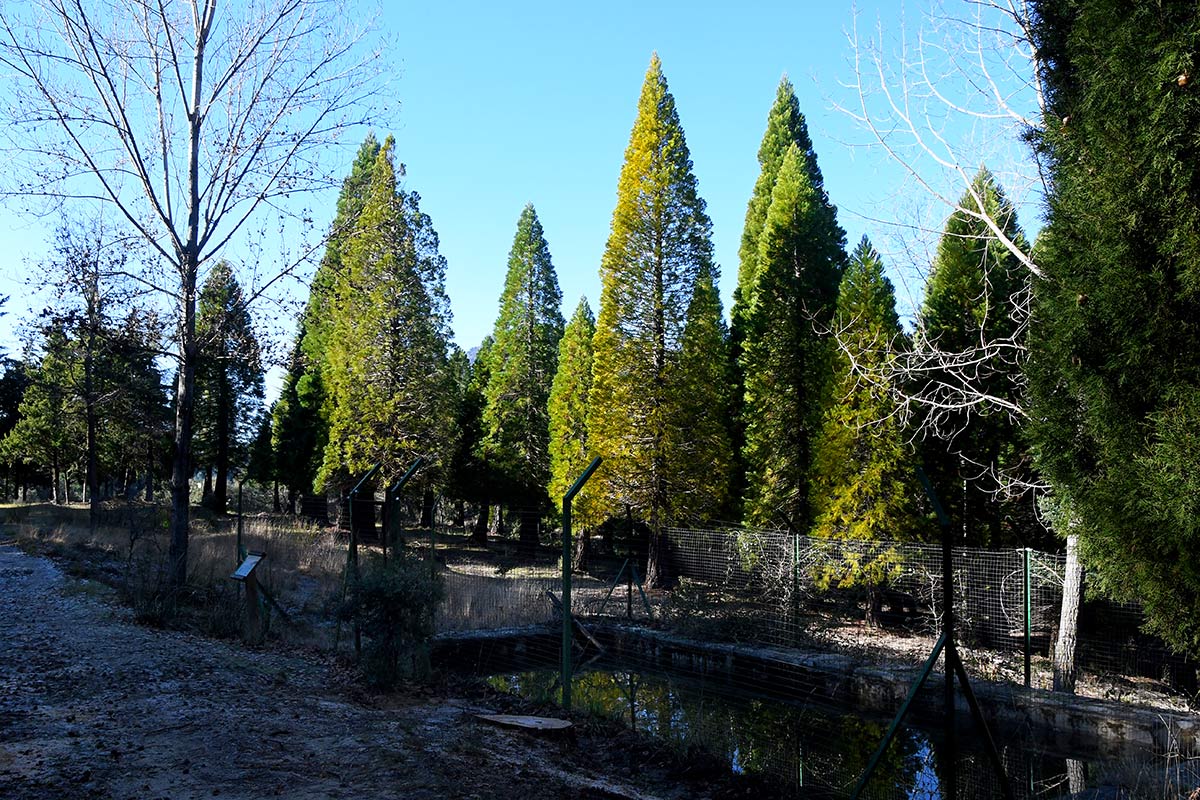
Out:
{"x": 581, "y": 551}
{"x": 480, "y": 532}
{"x": 1076, "y": 777}
{"x": 220, "y": 496}
{"x": 658, "y": 575}
{"x": 528, "y": 535}
{"x": 427, "y": 509}
{"x": 181, "y": 458}
{"x": 874, "y": 611}
{"x": 207, "y": 492}
{"x": 460, "y": 514}
{"x": 1068, "y": 620}
{"x": 55, "y": 473}
{"x": 277, "y": 505}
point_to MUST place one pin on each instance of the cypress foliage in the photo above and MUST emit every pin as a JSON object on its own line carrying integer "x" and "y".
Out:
{"x": 785, "y": 356}
{"x": 1114, "y": 373}
{"x": 974, "y": 296}
{"x": 524, "y": 355}
{"x": 864, "y": 481}
{"x": 570, "y": 451}
{"x": 659, "y": 245}
{"x": 391, "y": 391}
{"x": 300, "y": 420}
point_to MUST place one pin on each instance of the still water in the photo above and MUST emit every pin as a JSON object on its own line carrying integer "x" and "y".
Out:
{"x": 818, "y": 751}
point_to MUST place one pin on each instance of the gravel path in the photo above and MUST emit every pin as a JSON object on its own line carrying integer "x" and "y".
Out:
{"x": 92, "y": 705}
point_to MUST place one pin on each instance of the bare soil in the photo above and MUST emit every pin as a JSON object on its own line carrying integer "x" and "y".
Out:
{"x": 94, "y": 705}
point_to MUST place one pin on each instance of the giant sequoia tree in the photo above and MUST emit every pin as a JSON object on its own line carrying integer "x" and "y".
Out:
{"x": 785, "y": 350}
{"x": 974, "y": 301}
{"x": 659, "y": 246}
{"x": 1114, "y": 373}
{"x": 570, "y": 452}
{"x": 786, "y": 126}
{"x": 391, "y": 392}
{"x": 523, "y": 357}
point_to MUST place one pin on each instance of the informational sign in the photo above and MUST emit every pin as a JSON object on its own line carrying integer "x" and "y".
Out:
{"x": 247, "y": 566}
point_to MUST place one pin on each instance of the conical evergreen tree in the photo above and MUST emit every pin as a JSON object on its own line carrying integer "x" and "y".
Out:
{"x": 570, "y": 452}
{"x": 785, "y": 356}
{"x": 524, "y": 356}
{"x": 229, "y": 379}
{"x": 1114, "y": 370}
{"x": 300, "y": 421}
{"x": 660, "y": 243}
{"x": 864, "y": 479}
{"x": 786, "y": 126}
{"x": 392, "y": 393}
{"x": 973, "y": 297}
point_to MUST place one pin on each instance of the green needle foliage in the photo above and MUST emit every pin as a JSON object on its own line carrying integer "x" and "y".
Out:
{"x": 524, "y": 355}
{"x": 569, "y": 395}
{"x": 864, "y": 479}
{"x": 1114, "y": 373}
{"x": 659, "y": 246}
{"x": 786, "y": 356}
{"x": 300, "y": 420}
{"x": 975, "y": 304}
{"x": 391, "y": 390}
{"x": 229, "y": 379}
{"x": 704, "y": 449}
{"x": 786, "y": 126}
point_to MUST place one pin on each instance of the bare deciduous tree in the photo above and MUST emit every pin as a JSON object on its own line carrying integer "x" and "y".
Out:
{"x": 190, "y": 119}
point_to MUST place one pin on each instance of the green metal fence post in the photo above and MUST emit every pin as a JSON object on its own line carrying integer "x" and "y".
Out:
{"x": 565, "y": 675}
{"x": 1028, "y": 621}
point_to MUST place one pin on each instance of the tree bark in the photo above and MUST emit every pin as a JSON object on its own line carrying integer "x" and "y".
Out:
{"x": 220, "y": 495}
{"x": 427, "y": 509}
{"x": 658, "y": 574}
{"x": 528, "y": 535}
{"x": 181, "y": 457}
{"x": 479, "y": 533}
{"x": 874, "y": 611}
{"x": 1068, "y": 620}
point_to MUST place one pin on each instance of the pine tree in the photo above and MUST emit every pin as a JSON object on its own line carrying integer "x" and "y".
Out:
{"x": 301, "y": 419}
{"x": 786, "y": 354}
{"x": 974, "y": 295}
{"x": 864, "y": 478}
{"x": 570, "y": 452}
{"x": 523, "y": 358}
{"x": 786, "y": 126}
{"x": 1114, "y": 374}
{"x": 391, "y": 392}
{"x": 229, "y": 379}
{"x": 659, "y": 245}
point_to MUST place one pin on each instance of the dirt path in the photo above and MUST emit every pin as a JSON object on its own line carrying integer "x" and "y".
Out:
{"x": 92, "y": 705}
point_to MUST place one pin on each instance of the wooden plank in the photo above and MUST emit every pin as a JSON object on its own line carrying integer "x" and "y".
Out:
{"x": 525, "y": 723}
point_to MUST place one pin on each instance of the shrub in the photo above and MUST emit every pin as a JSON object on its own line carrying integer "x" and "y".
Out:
{"x": 393, "y": 605}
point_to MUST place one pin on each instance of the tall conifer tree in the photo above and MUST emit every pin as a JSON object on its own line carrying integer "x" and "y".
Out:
{"x": 229, "y": 379}
{"x": 785, "y": 352}
{"x": 864, "y": 478}
{"x": 570, "y": 451}
{"x": 300, "y": 420}
{"x": 524, "y": 356}
{"x": 659, "y": 245}
{"x": 392, "y": 394}
{"x": 786, "y": 126}
{"x": 974, "y": 295}
{"x": 1115, "y": 337}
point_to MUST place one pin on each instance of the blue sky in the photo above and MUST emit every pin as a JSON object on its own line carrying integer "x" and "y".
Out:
{"x": 503, "y": 104}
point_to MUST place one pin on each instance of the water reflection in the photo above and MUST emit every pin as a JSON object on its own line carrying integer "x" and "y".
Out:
{"x": 815, "y": 751}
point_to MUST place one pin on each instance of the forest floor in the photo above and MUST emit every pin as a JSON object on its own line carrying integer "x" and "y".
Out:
{"x": 94, "y": 705}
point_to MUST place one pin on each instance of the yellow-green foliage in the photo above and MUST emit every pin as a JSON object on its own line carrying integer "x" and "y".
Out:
{"x": 863, "y": 478}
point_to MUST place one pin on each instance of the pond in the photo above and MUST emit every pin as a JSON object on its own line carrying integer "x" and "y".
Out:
{"x": 815, "y": 750}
